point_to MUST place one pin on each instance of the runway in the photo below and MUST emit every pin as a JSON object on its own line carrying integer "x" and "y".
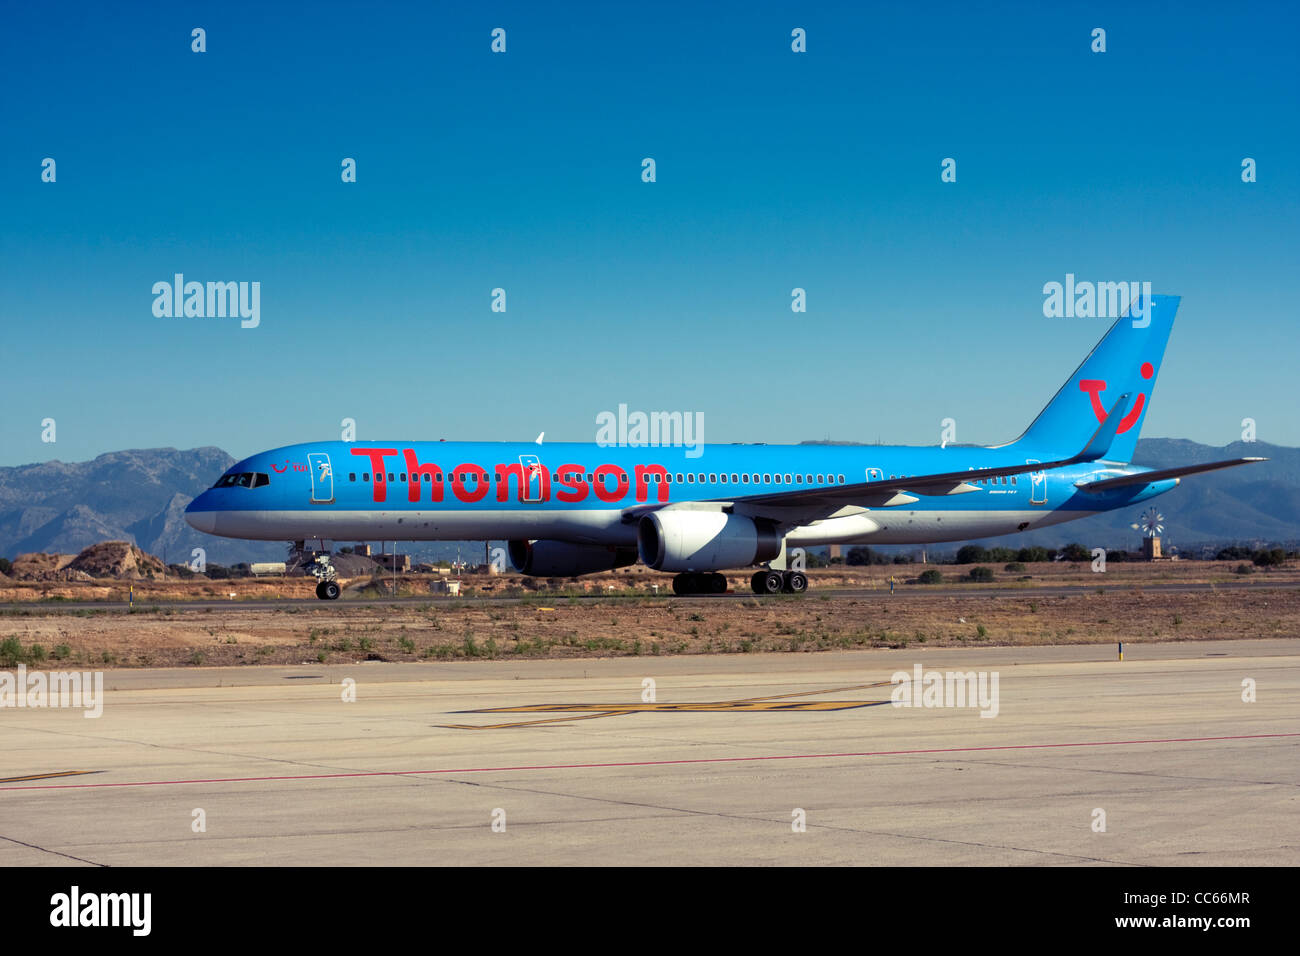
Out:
{"x": 719, "y": 765}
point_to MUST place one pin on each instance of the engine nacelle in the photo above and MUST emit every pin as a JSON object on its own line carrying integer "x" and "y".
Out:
{"x": 704, "y": 541}
{"x": 561, "y": 559}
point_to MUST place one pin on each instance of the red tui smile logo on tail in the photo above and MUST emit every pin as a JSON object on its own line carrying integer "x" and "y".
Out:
{"x": 1095, "y": 386}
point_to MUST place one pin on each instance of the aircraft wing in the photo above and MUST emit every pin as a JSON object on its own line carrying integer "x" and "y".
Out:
{"x": 1146, "y": 477}
{"x": 801, "y": 504}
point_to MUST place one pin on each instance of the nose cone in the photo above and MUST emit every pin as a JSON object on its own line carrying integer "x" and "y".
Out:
{"x": 200, "y": 515}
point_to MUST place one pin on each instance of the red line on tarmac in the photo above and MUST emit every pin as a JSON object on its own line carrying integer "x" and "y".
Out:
{"x": 648, "y": 763}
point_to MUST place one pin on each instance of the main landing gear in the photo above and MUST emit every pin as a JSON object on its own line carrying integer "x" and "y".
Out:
{"x": 697, "y": 583}
{"x": 327, "y": 590}
{"x": 778, "y": 582}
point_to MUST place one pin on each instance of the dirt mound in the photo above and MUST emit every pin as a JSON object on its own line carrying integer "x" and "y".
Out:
{"x": 36, "y": 566}
{"x": 116, "y": 559}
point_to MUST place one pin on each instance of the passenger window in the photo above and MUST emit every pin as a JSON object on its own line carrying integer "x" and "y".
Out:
{"x": 352, "y": 476}
{"x": 744, "y": 479}
{"x": 365, "y": 476}
{"x": 713, "y": 479}
{"x": 821, "y": 480}
{"x": 690, "y": 479}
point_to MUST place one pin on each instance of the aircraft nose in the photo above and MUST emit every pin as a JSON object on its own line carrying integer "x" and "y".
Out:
{"x": 200, "y": 516}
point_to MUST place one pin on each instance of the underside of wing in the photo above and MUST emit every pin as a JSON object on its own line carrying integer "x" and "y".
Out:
{"x": 1146, "y": 477}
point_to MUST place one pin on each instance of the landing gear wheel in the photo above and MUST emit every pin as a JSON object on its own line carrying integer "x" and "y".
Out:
{"x": 320, "y": 590}
{"x": 796, "y": 582}
{"x": 773, "y": 582}
{"x": 684, "y": 584}
{"x": 330, "y": 591}
{"x": 717, "y": 584}
{"x": 756, "y": 582}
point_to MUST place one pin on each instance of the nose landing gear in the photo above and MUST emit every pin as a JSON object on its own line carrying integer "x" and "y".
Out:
{"x": 326, "y": 575}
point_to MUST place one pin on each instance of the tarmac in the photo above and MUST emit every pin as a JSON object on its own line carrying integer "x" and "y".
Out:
{"x": 772, "y": 759}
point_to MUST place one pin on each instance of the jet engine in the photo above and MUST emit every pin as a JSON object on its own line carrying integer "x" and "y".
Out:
{"x": 562, "y": 559}
{"x": 704, "y": 541}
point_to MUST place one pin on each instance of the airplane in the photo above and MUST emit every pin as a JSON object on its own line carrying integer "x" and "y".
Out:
{"x": 568, "y": 509}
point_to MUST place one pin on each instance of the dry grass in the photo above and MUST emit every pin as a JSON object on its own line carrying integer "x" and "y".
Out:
{"x": 552, "y": 625}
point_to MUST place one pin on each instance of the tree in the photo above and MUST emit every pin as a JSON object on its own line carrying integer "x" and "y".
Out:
{"x": 971, "y": 554}
{"x": 858, "y": 556}
{"x": 1076, "y": 552}
{"x": 981, "y": 573}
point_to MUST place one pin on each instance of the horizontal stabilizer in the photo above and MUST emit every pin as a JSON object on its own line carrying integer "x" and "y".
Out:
{"x": 1146, "y": 477}
{"x": 1101, "y": 439}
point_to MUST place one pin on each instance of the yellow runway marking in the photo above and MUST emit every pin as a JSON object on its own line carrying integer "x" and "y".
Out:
{"x": 47, "y": 776}
{"x": 771, "y": 703}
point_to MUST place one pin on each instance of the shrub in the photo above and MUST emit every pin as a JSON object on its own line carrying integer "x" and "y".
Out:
{"x": 930, "y": 576}
{"x": 980, "y": 573}
{"x": 1076, "y": 552}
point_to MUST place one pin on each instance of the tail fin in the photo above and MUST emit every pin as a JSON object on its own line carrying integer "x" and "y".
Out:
{"x": 1127, "y": 359}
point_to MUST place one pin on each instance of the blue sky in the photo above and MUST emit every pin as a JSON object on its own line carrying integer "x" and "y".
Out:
{"x": 522, "y": 170}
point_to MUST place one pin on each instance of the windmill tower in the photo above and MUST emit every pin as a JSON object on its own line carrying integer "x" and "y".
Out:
{"x": 1151, "y": 525}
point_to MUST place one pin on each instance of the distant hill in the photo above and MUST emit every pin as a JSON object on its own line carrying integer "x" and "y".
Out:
{"x": 139, "y": 496}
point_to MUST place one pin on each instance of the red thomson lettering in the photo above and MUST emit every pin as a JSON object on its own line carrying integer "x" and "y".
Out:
{"x": 458, "y": 484}
{"x": 418, "y": 472}
{"x": 642, "y": 491}
{"x": 573, "y": 483}
{"x": 602, "y": 491}
{"x": 377, "y": 466}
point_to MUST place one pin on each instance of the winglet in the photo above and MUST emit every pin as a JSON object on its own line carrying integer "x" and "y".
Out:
{"x": 1101, "y": 439}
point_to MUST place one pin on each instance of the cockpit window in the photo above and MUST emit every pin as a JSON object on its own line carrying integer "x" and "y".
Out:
{"x": 243, "y": 479}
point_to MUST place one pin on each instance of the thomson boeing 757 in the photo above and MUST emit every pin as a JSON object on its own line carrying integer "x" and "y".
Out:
{"x": 572, "y": 509}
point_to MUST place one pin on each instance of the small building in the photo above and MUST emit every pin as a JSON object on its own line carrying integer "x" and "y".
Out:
{"x": 392, "y": 562}
{"x": 362, "y": 550}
